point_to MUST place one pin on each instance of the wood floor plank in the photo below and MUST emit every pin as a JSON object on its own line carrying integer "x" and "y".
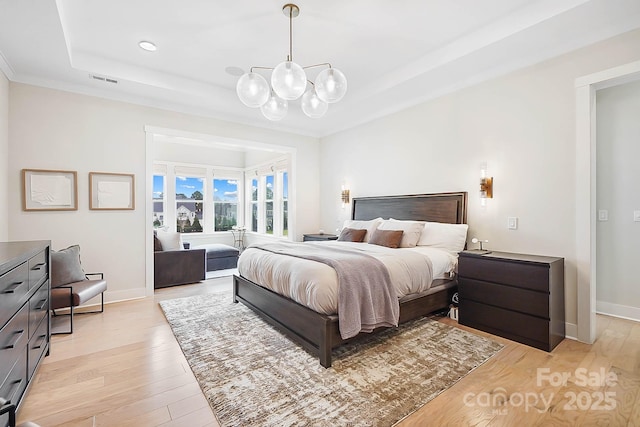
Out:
{"x": 124, "y": 367}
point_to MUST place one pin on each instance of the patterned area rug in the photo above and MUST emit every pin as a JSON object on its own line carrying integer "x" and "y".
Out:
{"x": 252, "y": 375}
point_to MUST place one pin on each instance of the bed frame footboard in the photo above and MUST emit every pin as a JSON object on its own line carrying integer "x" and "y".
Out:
{"x": 318, "y": 333}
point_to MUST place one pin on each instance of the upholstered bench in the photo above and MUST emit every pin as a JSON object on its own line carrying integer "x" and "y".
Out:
{"x": 219, "y": 256}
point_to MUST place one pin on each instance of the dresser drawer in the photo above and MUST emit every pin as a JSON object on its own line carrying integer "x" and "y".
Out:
{"x": 519, "y": 274}
{"x": 510, "y": 323}
{"x": 38, "y": 307}
{"x": 37, "y": 346}
{"x": 503, "y": 296}
{"x": 16, "y": 382}
{"x": 38, "y": 268}
{"x": 13, "y": 339}
{"x": 14, "y": 286}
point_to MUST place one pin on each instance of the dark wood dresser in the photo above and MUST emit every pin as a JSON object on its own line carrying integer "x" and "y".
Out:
{"x": 515, "y": 296}
{"x": 24, "y": 314}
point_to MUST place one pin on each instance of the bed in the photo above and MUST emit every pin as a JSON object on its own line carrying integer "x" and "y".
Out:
{"x": 318, "y": 332}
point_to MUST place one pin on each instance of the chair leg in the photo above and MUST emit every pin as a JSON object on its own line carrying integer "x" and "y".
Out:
{"x": 95, "y": 311}
{"x": 72, "y": 312}
{"x": 9, "y": 409}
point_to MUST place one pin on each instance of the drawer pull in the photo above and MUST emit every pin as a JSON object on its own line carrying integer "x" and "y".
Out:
{"x": 43, "y": 302}
{"x": 15, "y": 388}
{"x": 38, "y": 266}
{"x": 12, "y": 288}
{"x": 14, "y": 341}
{"x": 41, "y": 339}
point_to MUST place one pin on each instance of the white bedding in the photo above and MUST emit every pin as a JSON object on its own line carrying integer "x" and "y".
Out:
{"x": 315, "y": 284}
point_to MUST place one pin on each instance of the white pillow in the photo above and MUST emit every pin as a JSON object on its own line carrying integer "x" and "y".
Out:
{"x": 412, "y": 230}
{"x": 363, "y": 225}
{"x": 451, "y": 237}
{"x": 170, "y": 240}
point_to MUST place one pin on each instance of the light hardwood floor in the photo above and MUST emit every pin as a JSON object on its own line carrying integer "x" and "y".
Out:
{"x": 125, "y": 368}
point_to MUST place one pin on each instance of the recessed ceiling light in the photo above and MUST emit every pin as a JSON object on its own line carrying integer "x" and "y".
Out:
{"x": 148, "y": 46}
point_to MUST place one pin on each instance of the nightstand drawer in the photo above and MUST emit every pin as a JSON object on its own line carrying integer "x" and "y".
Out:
{"x": 522, "y": 275}
{"x": 511, "y": 324}
{"x": 509, "y": 297}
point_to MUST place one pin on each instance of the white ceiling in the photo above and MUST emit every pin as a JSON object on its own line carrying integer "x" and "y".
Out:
{"x": 394, "y": 53}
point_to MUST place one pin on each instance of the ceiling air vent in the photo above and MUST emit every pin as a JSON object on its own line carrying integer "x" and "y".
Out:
{"x": 103, "y": 79}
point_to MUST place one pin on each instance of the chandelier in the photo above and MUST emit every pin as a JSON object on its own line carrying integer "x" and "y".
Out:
{"x": 289, "y": 82}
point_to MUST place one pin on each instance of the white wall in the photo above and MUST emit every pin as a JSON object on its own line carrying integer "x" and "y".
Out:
{"x": 51, "y": 129}
{"x": 522, "y": 125}
{"x": 4, "y": 157}
{"x": 618, "y": 175}
{"x": 186, "y": 153}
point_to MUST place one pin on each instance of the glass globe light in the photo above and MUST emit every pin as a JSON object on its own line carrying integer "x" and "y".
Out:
{"x": 275, "y": 108}
{"x": 253, "y": 90}
{"x": 288, "y": 80}
{"x": 331, "y": 85}
{"x": 313, "y": 106}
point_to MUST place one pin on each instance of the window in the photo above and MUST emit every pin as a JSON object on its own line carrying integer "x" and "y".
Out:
{"x": 189, "y": 204}
{"x": 268, "y": 186}
{"x": 254, "y": 204}
{"x": 284, "y": 177}
{"x": 269, "y": 204}
{"x": 158, "y": 200}
{"x": 197, "y": 198}
{"x": 205, "y": 199}
{"x": 225, "y": 204}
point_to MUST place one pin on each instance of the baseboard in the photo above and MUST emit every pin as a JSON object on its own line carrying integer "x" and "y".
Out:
{"x": 221, "y": 273}
{"x": 571, "y": 331}
{"x": 117, "y": 296}
{"x": 618, "y": 310}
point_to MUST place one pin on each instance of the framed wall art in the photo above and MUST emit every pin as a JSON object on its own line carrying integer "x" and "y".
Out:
{"x": 111, "y": 191}
{"x": 49, "y": 190}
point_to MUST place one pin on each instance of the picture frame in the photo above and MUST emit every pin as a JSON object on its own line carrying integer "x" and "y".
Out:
{"x": 49, "y": 190}
{"x": 111, "y": 191}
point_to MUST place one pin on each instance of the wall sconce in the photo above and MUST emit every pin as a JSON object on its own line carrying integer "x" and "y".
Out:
{"x": 486, "y": 185}
{"x": 344, "y": 196}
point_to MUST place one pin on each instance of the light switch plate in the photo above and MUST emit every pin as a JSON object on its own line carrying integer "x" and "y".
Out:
{"x": 636, "y": 216}
{"x": 603, "y": 215}
{"x": 512, "y": 223}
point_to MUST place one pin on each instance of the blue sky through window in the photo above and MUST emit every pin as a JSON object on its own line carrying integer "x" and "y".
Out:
{"x": 158, "y": 186}
{"x": 225, "y": 190}
{"x": 187, "y": 186}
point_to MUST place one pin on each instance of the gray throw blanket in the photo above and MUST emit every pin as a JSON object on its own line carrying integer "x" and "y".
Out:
{"x": 366, "y": 297}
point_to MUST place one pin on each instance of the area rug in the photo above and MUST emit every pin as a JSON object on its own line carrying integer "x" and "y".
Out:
{"x": 252, "y": 375}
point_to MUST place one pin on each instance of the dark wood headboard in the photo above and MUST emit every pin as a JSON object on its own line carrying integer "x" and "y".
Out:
{"x": 438, "y": 207}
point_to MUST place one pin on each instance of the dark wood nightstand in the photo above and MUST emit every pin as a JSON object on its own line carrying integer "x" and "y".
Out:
{"x": 318, "y": 237}
{"x": 515, "y": 296}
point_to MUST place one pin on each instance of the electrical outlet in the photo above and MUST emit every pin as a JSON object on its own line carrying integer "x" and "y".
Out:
{"x": 512, "y": 223}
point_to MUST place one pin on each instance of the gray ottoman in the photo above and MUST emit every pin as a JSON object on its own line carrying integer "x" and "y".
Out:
{"x": 220, "y": 257}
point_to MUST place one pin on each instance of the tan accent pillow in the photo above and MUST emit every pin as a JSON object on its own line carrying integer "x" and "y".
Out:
{"x": 359, "y": 224}
{"x": 388, "y": 238}
{"x": 352, "y": 235}
{"x": 412, "y": 230}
